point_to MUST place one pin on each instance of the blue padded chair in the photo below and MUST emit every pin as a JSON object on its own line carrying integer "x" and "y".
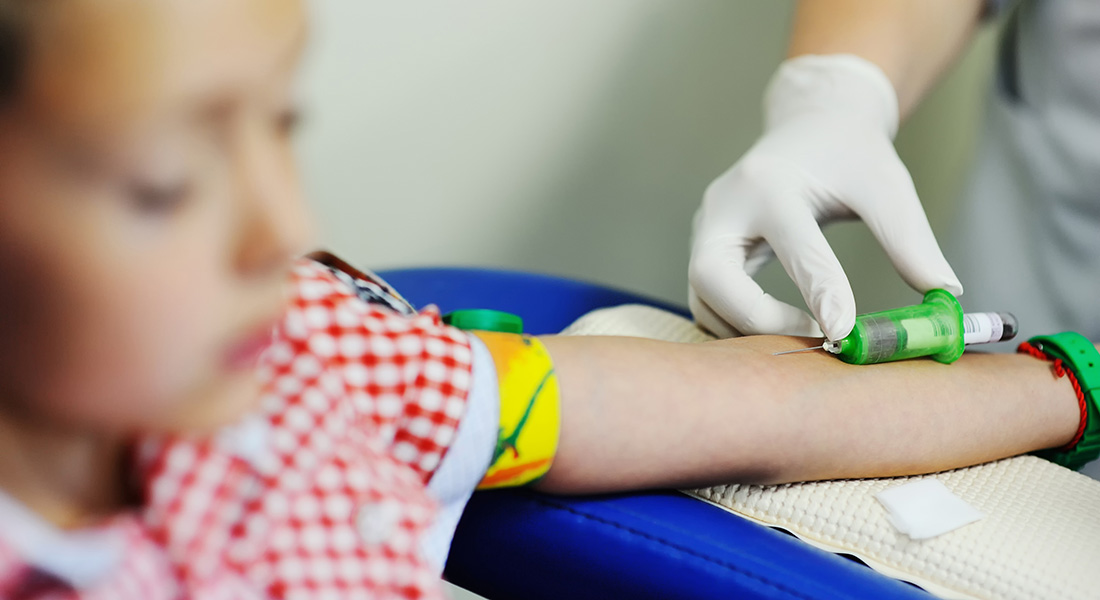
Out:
{"x": 519, "y": 544}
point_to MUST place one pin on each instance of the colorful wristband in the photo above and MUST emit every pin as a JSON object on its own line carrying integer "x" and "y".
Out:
{"x": 527, "y": 438}
{"x": 1074, "y": 354}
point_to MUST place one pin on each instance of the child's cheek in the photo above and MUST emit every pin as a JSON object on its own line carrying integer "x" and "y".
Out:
{"x": 138, "y": 357}
{"x": 183, "y": 336}
{"x": 177, "y": 333}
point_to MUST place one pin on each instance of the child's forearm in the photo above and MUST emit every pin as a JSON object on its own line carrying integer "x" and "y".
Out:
{"x": 642, "y": 413}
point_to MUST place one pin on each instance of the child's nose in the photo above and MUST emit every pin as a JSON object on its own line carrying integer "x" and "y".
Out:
{"x": 275, "y": 224}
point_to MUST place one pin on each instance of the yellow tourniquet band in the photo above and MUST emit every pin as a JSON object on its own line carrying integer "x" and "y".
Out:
{"x": 527, "y": 437}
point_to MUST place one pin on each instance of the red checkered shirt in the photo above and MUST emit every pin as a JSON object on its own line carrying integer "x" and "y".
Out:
{"x": 321, "y": 494}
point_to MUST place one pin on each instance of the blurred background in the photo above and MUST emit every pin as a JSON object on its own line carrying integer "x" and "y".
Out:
{"x": 572, "y": 137}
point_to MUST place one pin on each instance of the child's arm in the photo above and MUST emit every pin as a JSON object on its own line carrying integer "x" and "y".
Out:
{"x": 640, "y": 413}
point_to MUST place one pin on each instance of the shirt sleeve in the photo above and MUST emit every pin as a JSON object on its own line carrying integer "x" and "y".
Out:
{"x": 425, "y": 390}
{"x": 409, "y": 379}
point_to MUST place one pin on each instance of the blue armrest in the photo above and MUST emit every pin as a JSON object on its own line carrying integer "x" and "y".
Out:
{"x": 547, "y": 303}
{"x": 514, "y": 544}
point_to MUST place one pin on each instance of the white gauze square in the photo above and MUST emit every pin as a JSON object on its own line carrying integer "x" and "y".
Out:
{"x": 925, "y": 509}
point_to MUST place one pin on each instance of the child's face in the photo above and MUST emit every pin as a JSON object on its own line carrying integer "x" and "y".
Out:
{"x": 149, "y": 208}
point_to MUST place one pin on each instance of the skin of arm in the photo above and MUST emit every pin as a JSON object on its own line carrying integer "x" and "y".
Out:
{"x": 912, "y": 41}
{"x": 642, "y": 413}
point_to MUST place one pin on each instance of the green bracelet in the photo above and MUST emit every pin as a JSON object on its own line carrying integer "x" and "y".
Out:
{"x": 1080, "y": 356}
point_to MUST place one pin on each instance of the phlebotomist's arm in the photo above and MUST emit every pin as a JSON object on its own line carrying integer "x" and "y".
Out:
{"x": 912, "y": 41}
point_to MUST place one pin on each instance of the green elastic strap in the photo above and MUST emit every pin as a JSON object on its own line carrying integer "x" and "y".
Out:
{"x": 483, "y": 319}
{"x": 1081, "y": 357}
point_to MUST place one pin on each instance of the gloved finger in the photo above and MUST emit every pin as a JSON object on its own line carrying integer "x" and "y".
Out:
{"x": 709, "y": 320}
{"x": 814, "y": 268}
{"x": 905, "y": 234}
{"x": 717, "y": 273}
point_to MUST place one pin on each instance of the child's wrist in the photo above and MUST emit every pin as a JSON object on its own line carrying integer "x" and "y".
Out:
{"x": 1077, "y": 359}
{"x": 1055, "y": 403}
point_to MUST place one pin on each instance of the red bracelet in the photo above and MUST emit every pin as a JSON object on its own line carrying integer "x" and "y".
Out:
{"x": 1060, "y": 370}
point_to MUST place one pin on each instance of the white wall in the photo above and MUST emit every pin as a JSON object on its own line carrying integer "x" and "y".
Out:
{"x": 566, "y": 136}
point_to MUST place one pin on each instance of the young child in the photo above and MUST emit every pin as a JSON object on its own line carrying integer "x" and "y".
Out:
{"x": 177, "y": 422}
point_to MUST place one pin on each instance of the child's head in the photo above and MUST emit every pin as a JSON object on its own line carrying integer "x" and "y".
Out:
{"x": 148, "y": 205}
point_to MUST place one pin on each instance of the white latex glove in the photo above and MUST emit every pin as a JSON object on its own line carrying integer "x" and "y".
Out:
{"x": 827, "y": 153}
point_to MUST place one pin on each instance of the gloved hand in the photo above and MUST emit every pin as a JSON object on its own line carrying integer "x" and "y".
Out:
{"x": 827, "y": 153}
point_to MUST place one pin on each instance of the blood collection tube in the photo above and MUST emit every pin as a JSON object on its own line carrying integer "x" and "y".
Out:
{"x": 936, "y": 327}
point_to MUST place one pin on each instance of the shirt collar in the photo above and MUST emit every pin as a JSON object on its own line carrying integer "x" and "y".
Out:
{"x": 80, "y": 558}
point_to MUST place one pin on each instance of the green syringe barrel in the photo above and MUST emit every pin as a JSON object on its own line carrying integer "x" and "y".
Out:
{"x": 932, "y": 328}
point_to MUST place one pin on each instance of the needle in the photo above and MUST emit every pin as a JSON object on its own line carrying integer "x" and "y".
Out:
{"x": 799, "y": 350}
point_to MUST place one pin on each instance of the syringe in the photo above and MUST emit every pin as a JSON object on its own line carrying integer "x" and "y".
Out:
{"x": 936, "y": 327}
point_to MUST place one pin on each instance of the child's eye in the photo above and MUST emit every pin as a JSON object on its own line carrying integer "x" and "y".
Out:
{"x": 158, "y": 199}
